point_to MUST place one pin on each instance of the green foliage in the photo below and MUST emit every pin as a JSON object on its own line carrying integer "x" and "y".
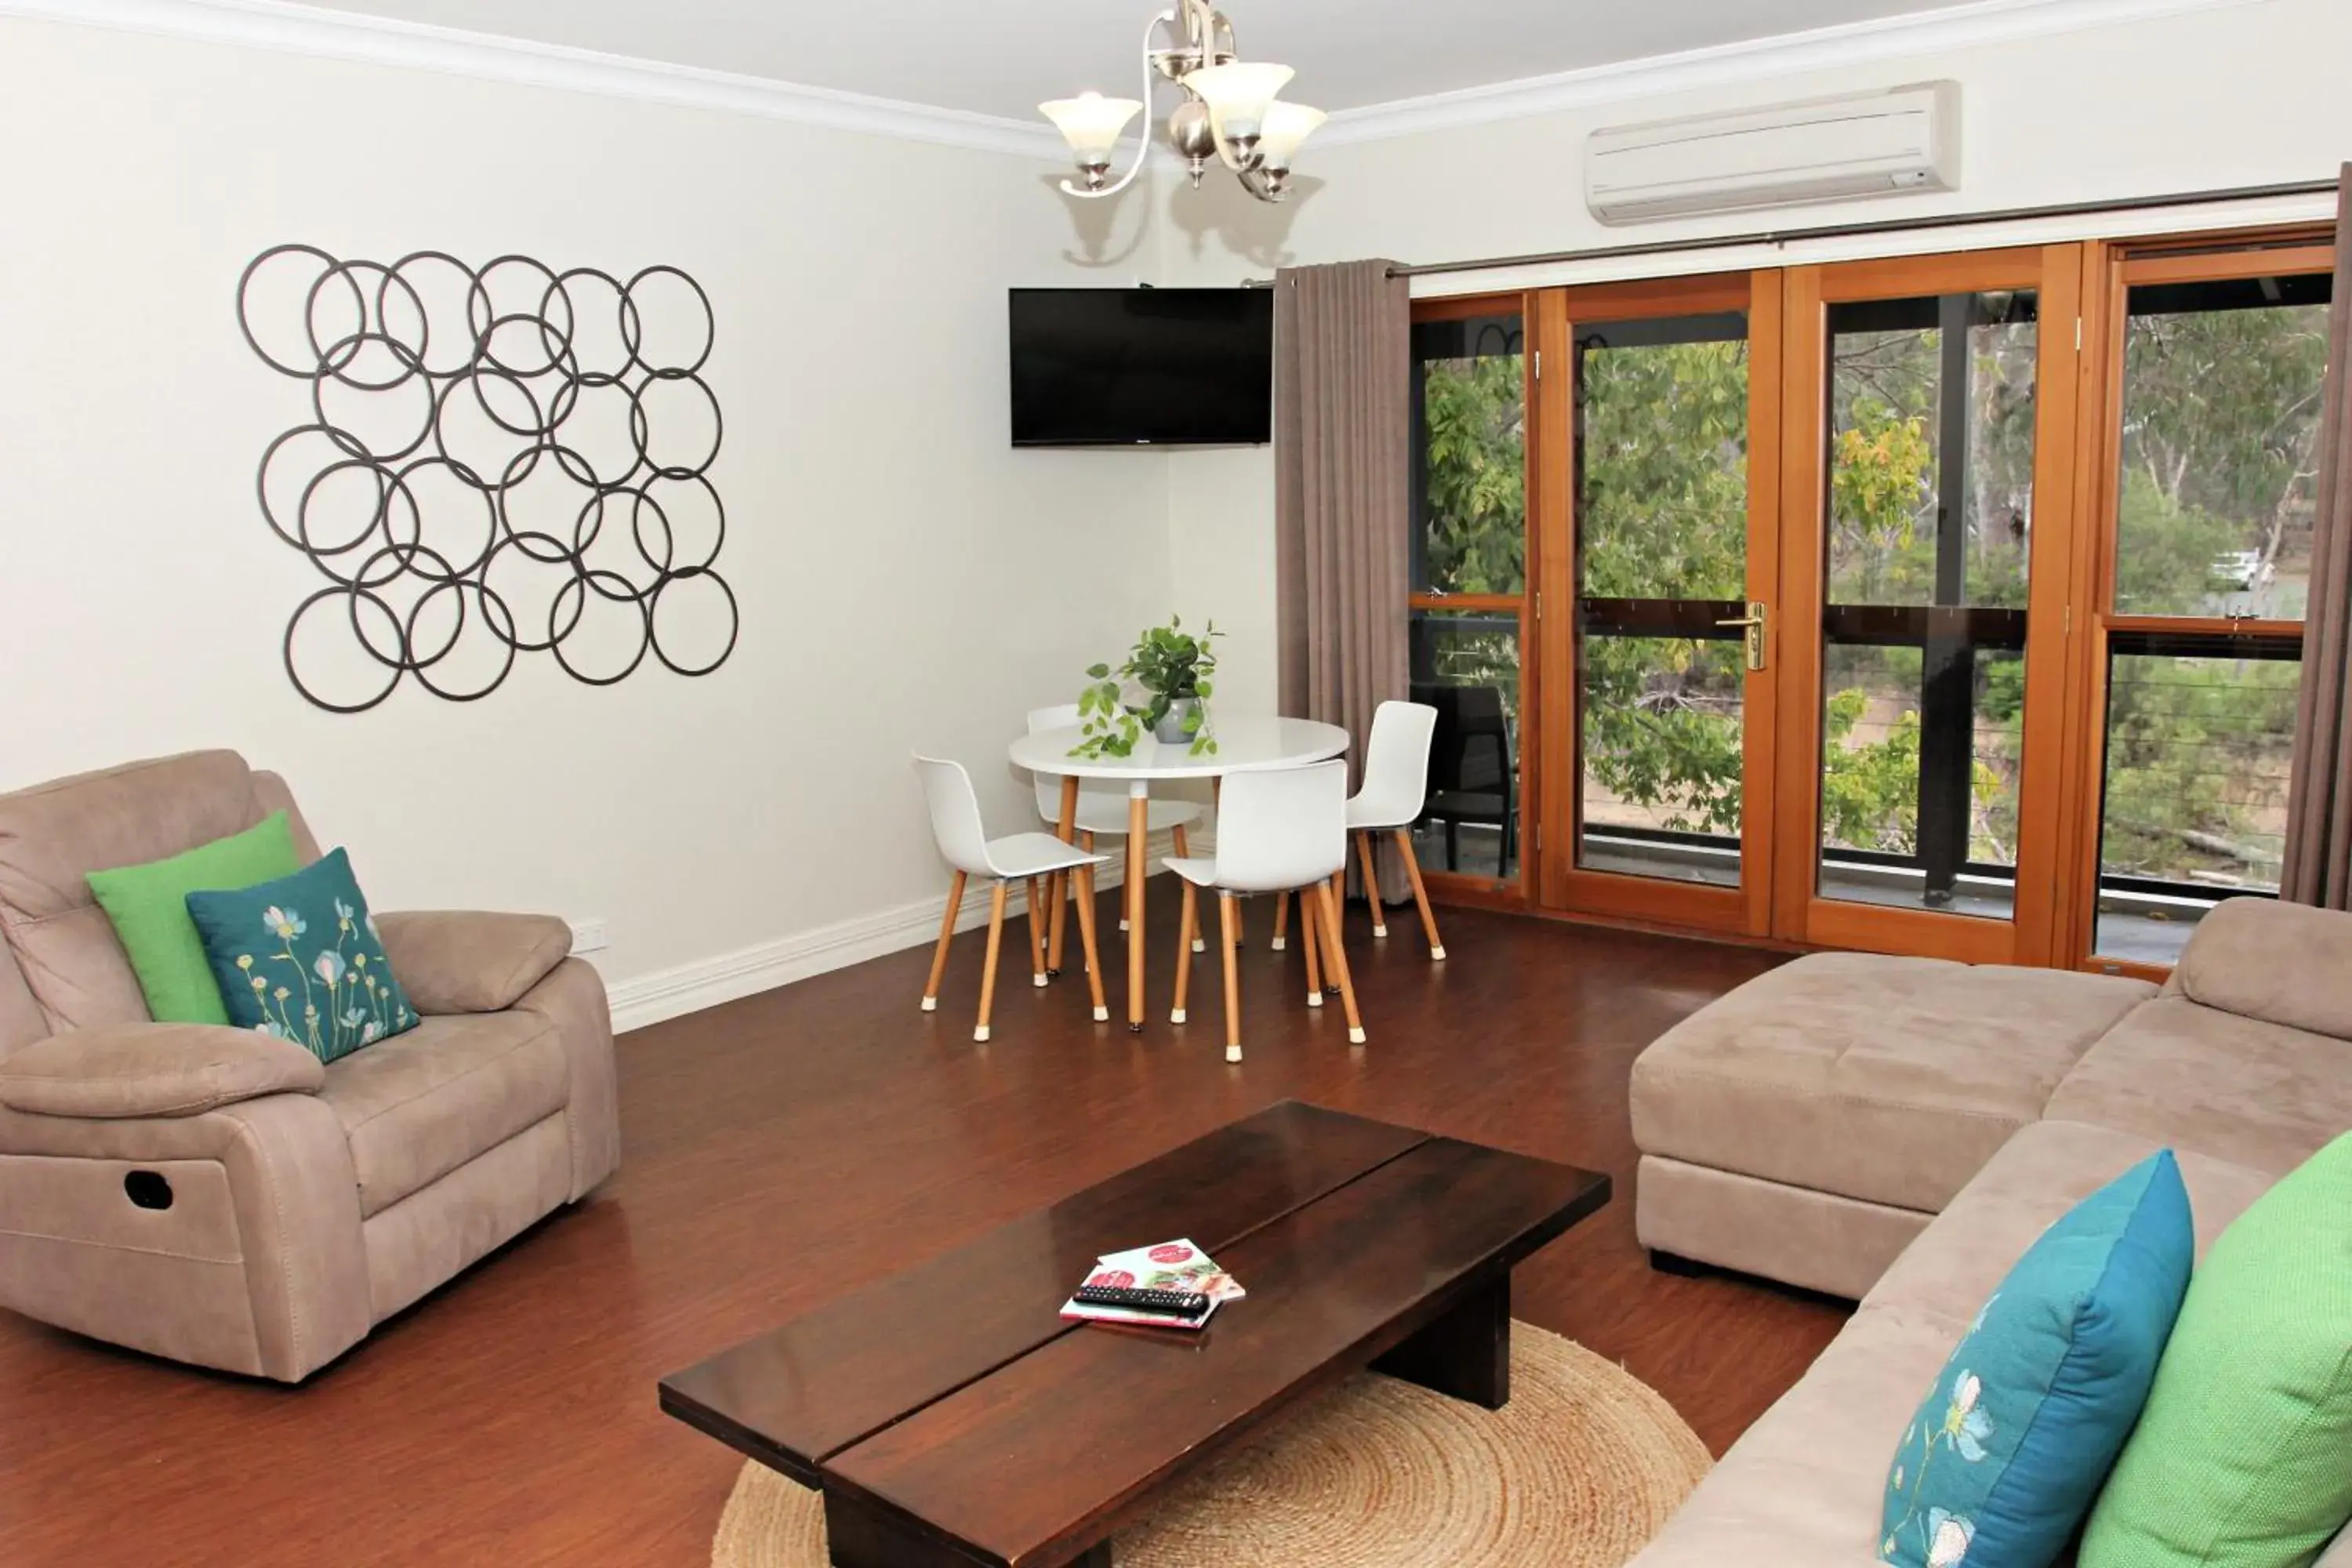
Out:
{"x": 1169, "y": 666}
{"x": 1475, "y": 533}
{"x": 2195, "y": 747}
{"x": 2221, "y": 415}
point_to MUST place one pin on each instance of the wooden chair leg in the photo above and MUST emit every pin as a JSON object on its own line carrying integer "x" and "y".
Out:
{"x": 1084, "y": 879}
{"x": 1419, "y": 893}
{"x": 1065, "y": 830}
{"x": 1191, "y": 917}
{"x": 947, "y": 935}
{"x": 1335, "y": 930}
{"x": 1340, "y": 967}
{"x": 1184, "y": 949}
{"x": 988, "y": 976}
{"x": 1037, "y": 918}
{"x": 1313, "y": 944}
{"x": 1228, "y": 929}
{"x": 1372, "y": 885}
{"x": 1281, "y": 922}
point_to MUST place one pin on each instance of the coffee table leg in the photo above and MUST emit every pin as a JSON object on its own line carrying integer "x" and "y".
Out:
{"x": 1465, "y": 1355}
{"x": 858, "y": 1537}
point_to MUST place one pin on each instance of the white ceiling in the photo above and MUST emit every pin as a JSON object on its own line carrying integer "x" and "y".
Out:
{"x": 1001, "y": 59}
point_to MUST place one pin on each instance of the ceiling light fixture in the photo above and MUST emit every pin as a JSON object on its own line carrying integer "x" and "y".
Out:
{"x": 1229, "y": 110}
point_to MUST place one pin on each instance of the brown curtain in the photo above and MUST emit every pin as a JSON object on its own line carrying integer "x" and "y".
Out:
{"x": 1343, "y": 430}
{"x": 2318, "y": 867}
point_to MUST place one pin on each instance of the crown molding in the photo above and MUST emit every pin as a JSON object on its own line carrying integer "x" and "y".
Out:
{"x": 1986, "y": 22}
{"x": 289, "y": 28}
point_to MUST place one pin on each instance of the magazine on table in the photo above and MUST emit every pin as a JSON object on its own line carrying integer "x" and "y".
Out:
{"x": 1178, "y": 1266}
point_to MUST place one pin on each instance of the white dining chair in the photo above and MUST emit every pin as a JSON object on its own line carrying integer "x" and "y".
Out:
{"x": 1102, "y": 807}
{"x": 1396, "y": 783}
{"x": 1028, "y": 858}
{"x": 1278, "y": 830}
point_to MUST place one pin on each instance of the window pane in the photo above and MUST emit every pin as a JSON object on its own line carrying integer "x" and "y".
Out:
{"x": 1930, "y": 498}
{"x": 1663, "y": 753}
{"x": 1871, "y": 774}
{"x": 2221, "y": 394}
{"x": 1662, "y": 532}
{"x": 1902, "y": 530}
{"x": 2199, "y": 747}
{"x": 1467, "y": 667}
{"x": 1470, "y": 449}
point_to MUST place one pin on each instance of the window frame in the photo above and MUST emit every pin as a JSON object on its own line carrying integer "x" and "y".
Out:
{"x": 1461, "y": 887}
{"x": 2112, "y": 269}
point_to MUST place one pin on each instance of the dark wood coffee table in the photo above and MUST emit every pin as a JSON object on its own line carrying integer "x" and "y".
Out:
{"x": 953, "y": 1418}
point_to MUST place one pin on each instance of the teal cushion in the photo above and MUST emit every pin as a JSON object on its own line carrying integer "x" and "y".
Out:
{"x": 149, "y": 907}
{"x": 2001, "y": 1463}
{"x": 299, "y": 958}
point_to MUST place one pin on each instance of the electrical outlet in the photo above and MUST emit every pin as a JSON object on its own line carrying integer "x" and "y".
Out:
{"x": 590, "y": 935}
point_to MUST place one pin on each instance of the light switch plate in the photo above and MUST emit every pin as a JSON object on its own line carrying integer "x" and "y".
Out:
{"x": 590, "y": 935}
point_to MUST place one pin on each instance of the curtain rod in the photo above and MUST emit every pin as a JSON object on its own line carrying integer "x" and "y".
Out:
{"x": 1850, "y": 230}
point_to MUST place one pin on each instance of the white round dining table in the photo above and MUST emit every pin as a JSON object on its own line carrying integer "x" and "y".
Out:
{"x": 1244, "y": 741}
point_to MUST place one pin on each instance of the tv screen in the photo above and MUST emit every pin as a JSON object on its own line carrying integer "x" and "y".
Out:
{"x": 1119, "y": 367}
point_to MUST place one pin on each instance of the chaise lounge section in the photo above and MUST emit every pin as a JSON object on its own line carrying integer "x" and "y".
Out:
{"x": 1901, "y": 1131}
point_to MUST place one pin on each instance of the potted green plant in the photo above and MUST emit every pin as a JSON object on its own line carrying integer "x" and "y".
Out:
{"x": 1169, "y": 669}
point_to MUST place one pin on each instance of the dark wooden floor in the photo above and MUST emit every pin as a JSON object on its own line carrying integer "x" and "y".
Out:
{"x": 794, "y": 1145}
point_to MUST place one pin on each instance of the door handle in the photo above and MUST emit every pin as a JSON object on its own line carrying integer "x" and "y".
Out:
{"x": 1754, "y": 621}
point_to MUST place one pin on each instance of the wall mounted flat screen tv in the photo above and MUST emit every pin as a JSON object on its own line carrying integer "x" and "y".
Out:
{"x": 1122, "y": 367}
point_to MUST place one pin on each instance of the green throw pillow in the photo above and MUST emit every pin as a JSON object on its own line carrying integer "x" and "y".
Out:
{"x": 299, "y": 958}
{"x": 148, "y": 905}
{"x": 2243, "y": 1456}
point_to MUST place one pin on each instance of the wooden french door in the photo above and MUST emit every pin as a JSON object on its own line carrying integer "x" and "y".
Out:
{"x": 1656, "y": 491}
{"x": 1801, "y": 544}
{"x": 1928, "y": 497}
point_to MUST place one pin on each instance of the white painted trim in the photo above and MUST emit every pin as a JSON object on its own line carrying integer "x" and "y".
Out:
{"x": 706, "y": 982}
{"x": 1985, "y": 22}
{"x": 289, "y": 28}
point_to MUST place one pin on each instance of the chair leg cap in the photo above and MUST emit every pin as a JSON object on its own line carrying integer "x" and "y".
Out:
{"x": 1039, "y": 980}
{"x": 1437, "y": 955}
{"x": 981, "y": 1034}
{"x": 1102, "y": 1014}
{"x": 1122, "y": 925}
{"x": 1233, "y": 1053}
{"x": 1280, "y": 943}
{"x": 1176, "y": 1014}
{"x": 1315, "y": 998}
{"x": 1379, "y": 931}
{"x": 1355, "y": 1036}
{"x": 1200, "y": 944}
{"x": 930, "y": 1004}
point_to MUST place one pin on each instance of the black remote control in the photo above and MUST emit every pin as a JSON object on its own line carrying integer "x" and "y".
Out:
{"x": 1171, "y": 1303}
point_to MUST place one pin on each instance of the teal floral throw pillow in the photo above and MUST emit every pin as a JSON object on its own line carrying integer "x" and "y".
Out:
{"x": 2001, "y": 1463}
{"x": 299, "y": 958}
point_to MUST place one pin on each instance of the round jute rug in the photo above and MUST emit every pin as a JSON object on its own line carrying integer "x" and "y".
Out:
{"x": 1579, "y": 1470}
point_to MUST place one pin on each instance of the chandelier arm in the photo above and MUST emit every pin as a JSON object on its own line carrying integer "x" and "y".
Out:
{"x": 1143, "y": 148}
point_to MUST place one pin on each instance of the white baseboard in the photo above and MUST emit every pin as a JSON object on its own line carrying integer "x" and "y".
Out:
{"x": 730, "y": 976}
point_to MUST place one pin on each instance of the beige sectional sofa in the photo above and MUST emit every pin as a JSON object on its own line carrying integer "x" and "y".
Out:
{"x": 1901, "y": 1130}
{"x": 220, "y": 1197}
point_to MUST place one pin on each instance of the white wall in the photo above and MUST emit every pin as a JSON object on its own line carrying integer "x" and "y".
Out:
{"x": 906, "y": 579}
{"x": 2240, "y": 95}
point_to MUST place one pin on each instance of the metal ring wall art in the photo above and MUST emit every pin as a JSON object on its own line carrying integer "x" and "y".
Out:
{"x": 496, "y": 461}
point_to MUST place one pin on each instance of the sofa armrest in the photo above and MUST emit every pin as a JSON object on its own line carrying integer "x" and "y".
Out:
{"x": 134, "y": 1070}
{"x": 467, "y": 962}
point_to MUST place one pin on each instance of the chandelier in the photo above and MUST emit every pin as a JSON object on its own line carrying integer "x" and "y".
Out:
{"x": 1228, "y": 110}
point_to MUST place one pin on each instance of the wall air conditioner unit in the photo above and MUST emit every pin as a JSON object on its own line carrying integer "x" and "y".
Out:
{"x": 1793, "y": 154}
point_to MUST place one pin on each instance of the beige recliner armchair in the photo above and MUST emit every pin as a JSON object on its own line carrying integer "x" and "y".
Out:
{"x": 219, "y": 1197}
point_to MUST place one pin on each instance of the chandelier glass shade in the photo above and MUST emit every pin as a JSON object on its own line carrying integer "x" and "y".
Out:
{"x": 1228, "y": 110}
